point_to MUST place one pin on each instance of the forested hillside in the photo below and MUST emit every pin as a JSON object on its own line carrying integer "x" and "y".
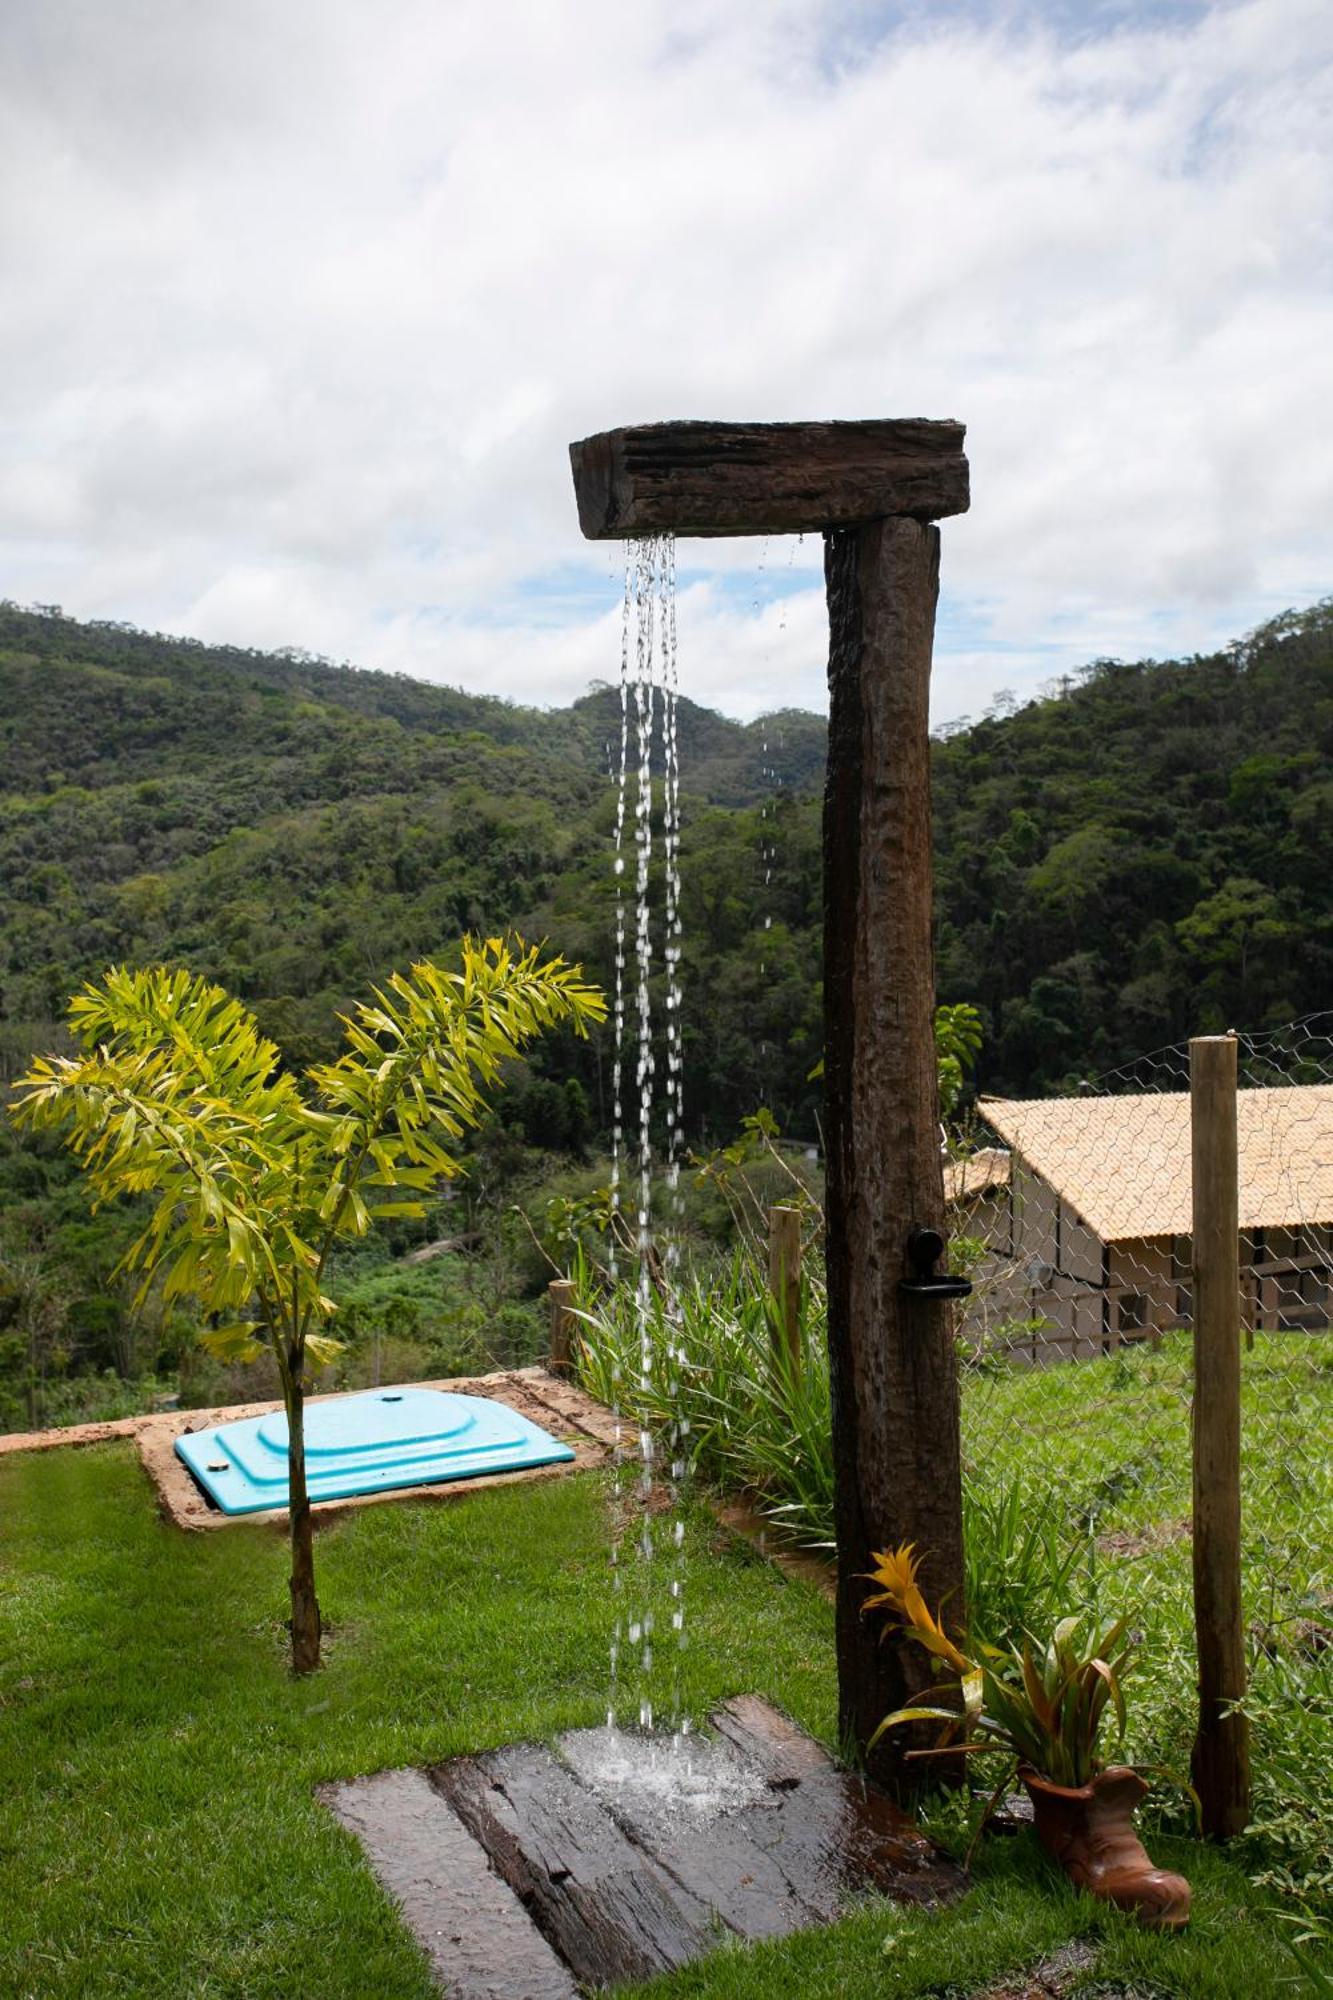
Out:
{"x": 1144, "y": 853}
{"x": 295, "y": 828}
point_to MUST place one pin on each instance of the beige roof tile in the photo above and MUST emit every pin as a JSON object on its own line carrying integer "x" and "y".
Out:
{"x": 977, "y": 1174}
{"x": 1123, "y": 1163}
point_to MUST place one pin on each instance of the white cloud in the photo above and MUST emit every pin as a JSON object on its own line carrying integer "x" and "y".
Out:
{"x": 303, "y": 305}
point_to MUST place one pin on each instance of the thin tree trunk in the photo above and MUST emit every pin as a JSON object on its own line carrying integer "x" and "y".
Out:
{"x": 306, "y": 1622}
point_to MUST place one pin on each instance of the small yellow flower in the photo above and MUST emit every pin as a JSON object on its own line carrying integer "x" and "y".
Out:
{"x": 895, "y": 1572}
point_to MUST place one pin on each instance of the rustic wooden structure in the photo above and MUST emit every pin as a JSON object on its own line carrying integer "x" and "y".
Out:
{"x": 1220, "y": 1765}
{"x": 766, "y": 479}
{"x": 544, "y": 1872}
{"x": 784, "y": 1281}
{"x": 1087, "y": 1219}
{"x": 873, "y": 490}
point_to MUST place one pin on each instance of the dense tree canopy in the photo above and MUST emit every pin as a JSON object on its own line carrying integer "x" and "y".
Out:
{"x": 1142, "y": 853}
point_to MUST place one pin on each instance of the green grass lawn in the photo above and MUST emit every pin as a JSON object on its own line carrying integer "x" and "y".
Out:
{"x": 158, "y": 1830}
{"x": 1078, "y": 1496}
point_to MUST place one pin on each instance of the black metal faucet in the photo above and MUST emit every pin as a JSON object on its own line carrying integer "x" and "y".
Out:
{"x": 925, "y": 1247}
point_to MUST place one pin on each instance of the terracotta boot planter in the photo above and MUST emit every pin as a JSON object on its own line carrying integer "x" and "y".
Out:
{"x": 1089, "y": 1831}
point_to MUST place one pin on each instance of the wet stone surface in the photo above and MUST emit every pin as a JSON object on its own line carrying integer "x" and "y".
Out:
{"x": 612, "y": 1856}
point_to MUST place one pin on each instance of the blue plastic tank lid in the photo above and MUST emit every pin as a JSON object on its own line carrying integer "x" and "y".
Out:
{"x": 366, "y": 1443}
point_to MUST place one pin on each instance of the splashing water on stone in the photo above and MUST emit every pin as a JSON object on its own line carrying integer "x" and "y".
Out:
{"x": 704, "y": 1778}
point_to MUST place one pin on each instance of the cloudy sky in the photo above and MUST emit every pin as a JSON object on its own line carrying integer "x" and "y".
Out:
{"x": 302, "y": 304}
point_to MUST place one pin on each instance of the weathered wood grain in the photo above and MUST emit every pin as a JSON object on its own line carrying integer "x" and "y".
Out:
{"x": 481, "y": 1942}
{"x": 785, "y": 1847}
{"x": 564, "y": 1324}
{"x": 784, "y": 1281}
{"x": 522, "y": 1872}
{"x": 736, "y": 1861}
{"x": 894, "y": 1372}
{"x": 610, "y": 1910}
{"x": 837, "y": 1834}
{"x": 766, "y": 479}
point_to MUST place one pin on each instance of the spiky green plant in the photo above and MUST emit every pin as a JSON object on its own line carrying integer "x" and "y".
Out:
{"x": 1042, "y": 1703}
{"x": 254, "y": 1176}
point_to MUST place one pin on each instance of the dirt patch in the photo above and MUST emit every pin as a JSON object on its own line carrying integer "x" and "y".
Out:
{"x": 1147, "y": 1541}
{"x": 1057, "y": 1977}
{"x": 71, "y": 1434}
{"x": 742, "y": 1517}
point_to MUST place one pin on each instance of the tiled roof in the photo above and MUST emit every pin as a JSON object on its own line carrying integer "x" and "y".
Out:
{"x": 977, "y": 1174}
{"x": 1123, "y": 1163}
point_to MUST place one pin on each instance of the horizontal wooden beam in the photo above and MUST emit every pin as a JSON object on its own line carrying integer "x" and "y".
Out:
{"x": 766, "y": 479}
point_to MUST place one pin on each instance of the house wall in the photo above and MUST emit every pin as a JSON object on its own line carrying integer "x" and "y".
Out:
{"x": 1288, "y": 1278}
{"x": 1045, "y": 1263}
{"x": 1144, "y": 1294}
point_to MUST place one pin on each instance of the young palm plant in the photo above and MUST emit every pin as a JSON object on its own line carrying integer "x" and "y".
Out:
{"x": 254, "y": 1176}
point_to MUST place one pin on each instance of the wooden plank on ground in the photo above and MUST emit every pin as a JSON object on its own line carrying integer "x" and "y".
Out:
{"x": 622, "y": 1856}
{"x": 720, "y": 1835}
{"x": 610, "y": 1910}
{"x": 842, "y": 1834}
{"x": 480, "y": 1941}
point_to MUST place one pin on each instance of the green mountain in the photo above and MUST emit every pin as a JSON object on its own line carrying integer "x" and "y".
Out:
{"x": 295, "y": 828}
{"x": 1146, "y": 855}
{"x": 1145, "y": 852}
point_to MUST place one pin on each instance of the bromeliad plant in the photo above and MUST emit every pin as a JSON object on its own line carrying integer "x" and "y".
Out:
{"x": 253, "y": 1176}
{"x": 1042, "y": 1704}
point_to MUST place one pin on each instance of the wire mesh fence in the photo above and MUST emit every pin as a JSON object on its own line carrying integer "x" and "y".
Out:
{"x": 1075, "y": 1215}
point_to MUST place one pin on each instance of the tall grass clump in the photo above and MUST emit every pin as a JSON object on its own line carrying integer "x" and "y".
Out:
{"x": 755, "y": 1424}
{"x": 752, "y": 1422}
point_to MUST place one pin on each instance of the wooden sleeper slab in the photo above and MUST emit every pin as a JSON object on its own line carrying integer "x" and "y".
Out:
{"x": 480, "y": 1941}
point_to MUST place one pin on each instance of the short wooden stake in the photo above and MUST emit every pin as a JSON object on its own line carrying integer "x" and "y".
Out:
{"x": 1220, "y": 1765}
{"x": 784, "y": 1281}
{"x": 561, "y": 1294}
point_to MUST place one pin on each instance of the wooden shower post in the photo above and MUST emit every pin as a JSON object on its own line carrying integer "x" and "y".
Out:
{"x": 873, "y": 490}
{"x": 895, "y": 1388}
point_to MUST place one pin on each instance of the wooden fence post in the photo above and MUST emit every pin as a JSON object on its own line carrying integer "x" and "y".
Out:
{"x": 1220, "y": 1764}
{"x": 561, "y": 1294}
{"x": 784, "y": 1280}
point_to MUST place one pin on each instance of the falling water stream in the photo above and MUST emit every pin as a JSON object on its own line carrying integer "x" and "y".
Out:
{"x": 648, "y": 689}
{"x": 771, "y": 778}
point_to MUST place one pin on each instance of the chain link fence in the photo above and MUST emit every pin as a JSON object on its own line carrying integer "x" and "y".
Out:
{"x": 1074, "y": 1214}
